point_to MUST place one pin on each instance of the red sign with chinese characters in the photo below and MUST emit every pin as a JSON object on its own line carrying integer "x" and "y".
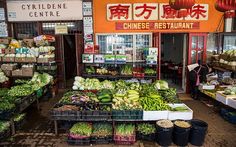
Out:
{"x": 157, "y": 25}
{"x": 155, "y": 11}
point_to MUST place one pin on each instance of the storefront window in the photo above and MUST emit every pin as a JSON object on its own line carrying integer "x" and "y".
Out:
{"x": 229, "y": 42}
{"x": 122, "y": 43}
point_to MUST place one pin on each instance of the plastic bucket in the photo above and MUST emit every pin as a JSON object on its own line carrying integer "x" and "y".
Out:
{"x": 164, "y": 136}
{"x": 198, "y": 132}
{"x": 181, "y": 135}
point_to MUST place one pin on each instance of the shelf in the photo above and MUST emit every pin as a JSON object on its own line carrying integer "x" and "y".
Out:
{"x": 220, "y": 68}
{"x": 118, "y": 76}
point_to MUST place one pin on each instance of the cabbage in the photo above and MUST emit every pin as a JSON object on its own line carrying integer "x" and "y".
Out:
{"x": 161, "y": 84}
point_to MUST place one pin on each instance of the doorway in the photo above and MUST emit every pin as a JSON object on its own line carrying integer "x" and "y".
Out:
{"x": 173, "y": 59}
{"x": 69, "y": 45}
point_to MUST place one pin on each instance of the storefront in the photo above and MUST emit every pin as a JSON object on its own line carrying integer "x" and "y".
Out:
{"x": 180, "y": 37}
{"x": 61, "y": 19}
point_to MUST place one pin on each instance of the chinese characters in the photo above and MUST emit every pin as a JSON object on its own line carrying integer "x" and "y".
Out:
{"x": 151, "y": 11}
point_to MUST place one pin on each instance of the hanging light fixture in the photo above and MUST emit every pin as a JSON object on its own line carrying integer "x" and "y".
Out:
{"x": 181, "y": 4}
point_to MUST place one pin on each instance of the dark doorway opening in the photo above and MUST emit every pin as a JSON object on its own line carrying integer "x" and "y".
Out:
{"x": 69, "y": 58}
{"x": 173, "y": 59}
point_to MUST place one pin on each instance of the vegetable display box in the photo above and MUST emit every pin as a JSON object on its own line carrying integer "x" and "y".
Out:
{"x": 45, "y": 60}
{"x": 82, "y": 142}
{"x": 27, "y": 71}
{"x": 65, "y": 115}
{"x": 5, "y": 134}
{"x": 10, "y": 51}
{"x": 146, "y": 137}
{"x": 101, "y": 140}
{"x": 182, "y": 112}
{"x": 17, "y": 72}
{"x": 20, "y": 59}
{"x": 232, "y": 103}
{"x": 96, "y": 115}
{"x": 155, "y": 115}
{"x": 127, "y": 114}
{"x": 8, "y": 66}
{"x": 30, "y": 59}
{"x": 124, "y": 140}
{"x": 228, "y": 115}
{"x": 8, "y": 59}
{"x": 221, "y": 97}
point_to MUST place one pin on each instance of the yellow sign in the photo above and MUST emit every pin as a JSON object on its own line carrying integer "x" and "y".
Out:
{"x": 61, "y": 29}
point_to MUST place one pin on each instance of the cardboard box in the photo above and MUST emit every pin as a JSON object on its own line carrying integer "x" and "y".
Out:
{"x": 17, "y": 72}
{"x": 27, "y": 71}
{"x": 19, "y": 59}
{"x": 4, "y": 41}
{"x": 155, "y": 115}
{"x": 10, "y": 51}
{"x": 45, "y": 60}
{"x": 7, "y": 73}
{"x": 183, "y": 115}
{"x": 8, "y": 67}
{"x": 29, "y": 42}
{"x": 30, "y": 59}
{"x": 8, "y": 59}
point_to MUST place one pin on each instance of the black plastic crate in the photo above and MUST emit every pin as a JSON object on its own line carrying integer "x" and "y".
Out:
{"x": 101, "y": 140}
{"x": 148, "y": 137}
{"x": 65, "y": 115}
{"x": 7, "y": 115}
{"x": 5, "y": 134}
{"x": 127, "y": 114}
{"x": 82, "y": 142}
{"x": 20, "y": 124}
{"x": 96, "y": 115}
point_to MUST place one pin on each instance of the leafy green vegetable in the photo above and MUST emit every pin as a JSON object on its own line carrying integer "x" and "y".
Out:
{"x": 125, "y": 129}
{"x": 146, "y": 128}
{"x": 19, "y": 117}
{"x": 102, "y": 129}
{"x": 4, "y": 125}
{"x": 81, "y": 128}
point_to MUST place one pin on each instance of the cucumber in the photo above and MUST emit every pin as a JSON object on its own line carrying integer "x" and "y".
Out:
{"x": 106, "y": 100}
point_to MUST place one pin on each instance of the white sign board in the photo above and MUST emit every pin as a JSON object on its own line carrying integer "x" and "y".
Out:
{"x": 44, "y": 10}
{"x": 61, "y": 29}
{"x": 2, "y": 14}
{"x": 87, "y": 8}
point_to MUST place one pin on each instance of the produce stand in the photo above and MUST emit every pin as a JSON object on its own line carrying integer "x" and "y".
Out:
{"x": 72, "y": 106}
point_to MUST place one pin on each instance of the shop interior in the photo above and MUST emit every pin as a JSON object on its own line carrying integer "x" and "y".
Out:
{"x": 69, "y": 58}
{"x": 173, "y": 51}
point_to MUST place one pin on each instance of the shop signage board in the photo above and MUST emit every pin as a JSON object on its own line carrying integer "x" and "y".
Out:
{"x": 87, "y": 8}
{"x": 154, "y": 11}
{"x": 44, "y": 10}
{"x": 3, "y": 29}
{"x": 157, "y": 25}
{"x": 61, "y": 29}
{"x": 88, "y": 25}
{"x": 2, "y": 14}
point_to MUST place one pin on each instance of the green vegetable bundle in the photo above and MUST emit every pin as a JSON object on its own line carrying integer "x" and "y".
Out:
{"x": 153, "y": 102}
{"x": 19, "y": 117}
{"x": 102, "y": 130}
{"x": 146, "y": 128}
{"x": 21, "y": 90}
{"x": 125, "y": 129}
{"x": 4, "y": 126}
{"x": 6, "y": 105}
{"x": 169, "y": 95}
{"x": 82, "y": 129}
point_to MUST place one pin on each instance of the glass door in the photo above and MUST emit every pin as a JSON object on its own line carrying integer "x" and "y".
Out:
{"x": 197, "y": 48}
